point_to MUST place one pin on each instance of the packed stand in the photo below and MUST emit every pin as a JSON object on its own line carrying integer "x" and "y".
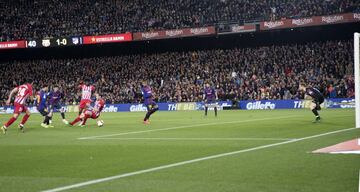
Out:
{"x": 21, "y": 19}
{"x": 272, "y": 72}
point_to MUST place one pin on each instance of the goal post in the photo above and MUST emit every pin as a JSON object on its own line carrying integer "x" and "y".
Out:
{"x": 357, "y": 79}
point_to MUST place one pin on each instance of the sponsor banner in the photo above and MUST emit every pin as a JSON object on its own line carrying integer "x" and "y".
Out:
{"x": 175, "y": 33}
{"x": 242, "y": 28}
{"x": 112, "y": 38}
{"x": 295, "y": 104}
{"x": 310, "y": 21}
{"x": 136, "y": 107}
{"x": 12, "y": 44}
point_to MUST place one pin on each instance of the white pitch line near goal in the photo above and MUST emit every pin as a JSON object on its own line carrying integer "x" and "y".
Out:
{"x": 105, "y": 179}
{"x": 186, "y": 126}
{"x": 194, "y": 139}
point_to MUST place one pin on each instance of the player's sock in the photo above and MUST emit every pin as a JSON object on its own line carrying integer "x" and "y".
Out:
{"x": 315, "y": 112}
{"x": 215, "y": 109}
{"x": 147, "y": 116}
{"x": 24, "y": 119}
{"x": 11, "y": 121}
{"x": 75, "y": 121}
{"x": 206, "y": 110}
{"x": 85, "y": 119}
{"x": 63, "y": 115}
{"x": 47, "y": 120}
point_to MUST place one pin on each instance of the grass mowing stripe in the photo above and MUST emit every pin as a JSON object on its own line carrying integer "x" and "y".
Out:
{"x": 194, "y": 139}
{"x": 91, "y": 182}
{"x": 186, "y": 126}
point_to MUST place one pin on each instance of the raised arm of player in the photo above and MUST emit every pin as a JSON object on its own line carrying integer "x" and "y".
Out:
{"x": 14, "y": 91}
{"x": 216, "y": 95}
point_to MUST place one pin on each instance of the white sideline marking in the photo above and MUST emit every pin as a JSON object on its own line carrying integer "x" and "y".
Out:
{"x": 186, "y": 126}
{"x": 195, "y": 139}
{"x": 359, "y": 180}
{"x": 91, "y": 182}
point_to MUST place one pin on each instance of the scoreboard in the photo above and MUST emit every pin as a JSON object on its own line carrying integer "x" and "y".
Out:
{"x": 54, "y": 42}
{"x": 66, "y": 41}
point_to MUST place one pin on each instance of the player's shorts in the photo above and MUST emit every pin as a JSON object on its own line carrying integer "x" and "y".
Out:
{"x": 318, "y": 102}
{"x": 83, "y": 103}
{"x": 43, "y": 111}
{"x": 210, "y": 102}
{"x": 19, "y": 108}
{"x": 150, "y": 105}
{"x": 93, "y": 114}
{"x": 55, "y": 107}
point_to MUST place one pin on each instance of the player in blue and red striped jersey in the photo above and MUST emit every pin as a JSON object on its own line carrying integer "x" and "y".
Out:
{"x": 41, "y": 105}
{"x": 23, "y": 92}
{"x": 54, "y": 103}
{"x": 210, "y": 97}
{"x": 149, "y": 102}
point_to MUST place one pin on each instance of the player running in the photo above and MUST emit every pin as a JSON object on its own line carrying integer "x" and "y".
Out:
{"x": 150, "y": 104}
{"x": 22, "y": 93}
{"x": 55, "y": 97}
{"x": 210, "y": 96}
{"x": 317, "y": 97}
{"x": 86, "y": 92}
{"x": 41, "y": 106}
{"x": 93, "y": 113}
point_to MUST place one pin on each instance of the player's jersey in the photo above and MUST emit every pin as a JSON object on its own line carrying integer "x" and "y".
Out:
{"x": 41, "y": 99}
{"x": 55, "y": 97}
{"x": 24, "y": 91}
{"x": 99, "y": 106}
{"x": 146, "y": 92}
{"x": 86, "y": 91}
{"x": 315, "y": 94}
{"x": 209, "y": 93}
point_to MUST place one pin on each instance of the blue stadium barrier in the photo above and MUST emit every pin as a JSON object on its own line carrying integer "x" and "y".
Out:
{"x": 134, "y": 107}
{"x": 295, "y": 104}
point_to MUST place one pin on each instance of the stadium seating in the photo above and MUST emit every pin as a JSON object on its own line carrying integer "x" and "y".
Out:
{"x": 38, "y": 19}
{"x": 271, "y": 72}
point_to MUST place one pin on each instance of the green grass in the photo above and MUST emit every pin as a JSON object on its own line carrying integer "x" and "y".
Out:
{"x": 49, "y": 158}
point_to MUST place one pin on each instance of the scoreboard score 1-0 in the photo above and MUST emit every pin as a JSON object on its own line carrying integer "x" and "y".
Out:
{"x": 54, "y": 42}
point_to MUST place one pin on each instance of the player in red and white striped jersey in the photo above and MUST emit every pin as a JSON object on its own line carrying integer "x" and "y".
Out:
{"x": 86, "y": 92}
{"x": 23, "y": 92}
{"x": 93, "y": 112}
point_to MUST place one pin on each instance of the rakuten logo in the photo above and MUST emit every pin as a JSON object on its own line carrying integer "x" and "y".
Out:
{"x": 139, "y": 107}
{"x": 259, "y": 105}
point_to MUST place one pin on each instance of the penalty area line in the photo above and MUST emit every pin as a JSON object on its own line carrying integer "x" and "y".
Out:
{"x": 186, "y": 126}
{"x": 194, "y": 139}
{"x": 105, "y": 179}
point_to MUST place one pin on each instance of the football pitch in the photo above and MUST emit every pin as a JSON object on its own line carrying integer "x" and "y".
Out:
{"x": 250, "y": 151}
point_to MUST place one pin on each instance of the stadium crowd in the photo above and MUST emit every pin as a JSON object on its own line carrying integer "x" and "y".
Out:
{"x": 272, "y": 72}
{"x": 21, "y": 19}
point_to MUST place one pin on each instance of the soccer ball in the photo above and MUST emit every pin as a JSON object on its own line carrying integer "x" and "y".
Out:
{"x": 100, "y": 123}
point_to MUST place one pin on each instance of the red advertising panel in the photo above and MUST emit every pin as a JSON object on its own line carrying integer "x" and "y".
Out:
{"x": 310, "y": 21}
{"x": 112, "y": 38}
{"x": 12, "y": 45}
{"x": 175, "y": 33}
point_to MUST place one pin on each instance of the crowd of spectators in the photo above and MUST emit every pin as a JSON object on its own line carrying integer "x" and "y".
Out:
{"x": 28, "y": 19}
{"x": 271, "y": 72}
